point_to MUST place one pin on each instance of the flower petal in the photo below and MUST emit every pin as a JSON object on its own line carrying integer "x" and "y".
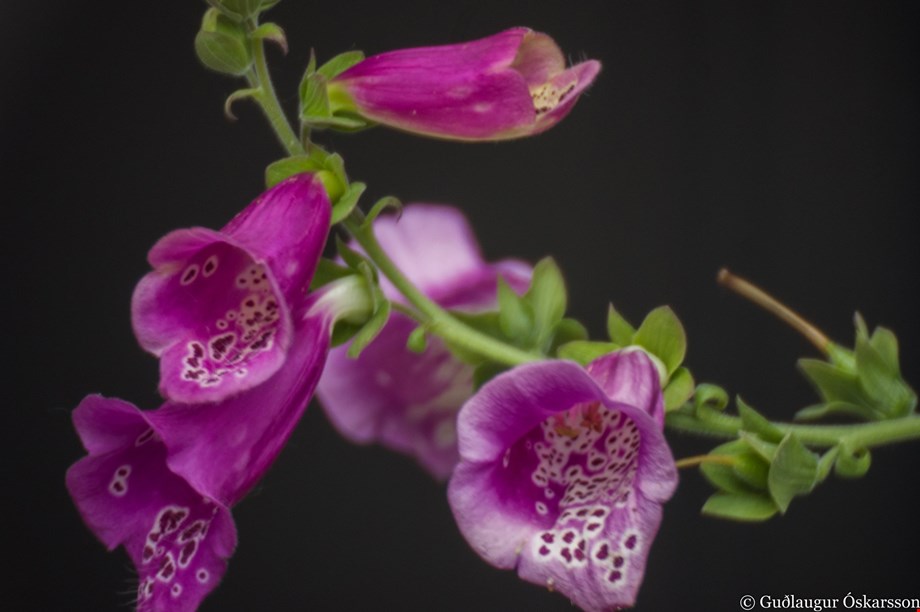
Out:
{"x": 178, "y": 540}
{"x": 405, "y": 400}
{"x": 563, "y": 475}
{"x": 217, "y": 307}
{"x": 222, "y": 449}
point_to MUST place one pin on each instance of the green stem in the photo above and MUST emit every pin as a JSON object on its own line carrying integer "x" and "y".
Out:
{"x": 436, "y": 318}
{"x": 863, "y": 435}
{"x": 260, "y": 79}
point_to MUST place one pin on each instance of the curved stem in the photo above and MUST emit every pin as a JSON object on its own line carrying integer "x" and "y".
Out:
{"x": 863, "y": 435}
{"x": 260, "y": 79}
{"x": 439, "y": 321}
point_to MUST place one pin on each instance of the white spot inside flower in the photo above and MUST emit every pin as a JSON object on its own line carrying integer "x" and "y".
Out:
{"x": 541, "y": 508}
{"x": 202, "y": 576}
{"x": 210, "y": 266}
{"x": 119, "y": 483}
{"x": 175, "y": 590}
{"x": 189, "y": 275}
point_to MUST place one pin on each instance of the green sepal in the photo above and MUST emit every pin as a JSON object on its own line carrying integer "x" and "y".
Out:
{"x": 793, "y": 472}
{"x": 384, "y": 203}
{"x": 236, "y": 96}
{"x": 618, "y": 329}
{"x": 326, "y": 272}
{"x": 725, "y": 477}
{"x": 343, "y": 331}
{"x": 835, "y": 384}
{"x": 344, "y": 206}
{"x": 662, "y": 334}
{"x": 339, "y": 64}
{"x": 287, "y": 167}
{"x": 584, "y": 352}
{"x": 271, "y": 32}
{"x": 879, "y": 374}
{"x": 756, "y": 423}
{"x": 679, "y": 390}
{"x": 746, "y": 507}
{"x": 222, "y": 45}
{"x": 417, "y": 341}
{"x": 515, "y": 315}
{"x": 852, "y": 462}
{"x": 370, "y": 330}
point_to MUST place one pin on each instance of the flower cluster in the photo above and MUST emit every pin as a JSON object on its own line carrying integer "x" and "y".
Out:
{"x": 556, "y": 469}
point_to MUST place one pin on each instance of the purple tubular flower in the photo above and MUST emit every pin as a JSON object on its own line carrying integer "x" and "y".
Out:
{"x": 409, "y": 401}
{"x": 217, "y": 307}
{"x": 508, "y": 85}
{"x": 563, "y": 472}
{"x": 162, "y": 482}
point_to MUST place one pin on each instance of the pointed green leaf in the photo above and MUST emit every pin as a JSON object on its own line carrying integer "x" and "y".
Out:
{"x": 567, "y": 330}
{"x": 753, "y": 470}
{"x": 370, "y": 330}
{"x": 516, "y": 316}
{"x": 887, "y": 392}
{"x": 794, "y": 471}
{"x": 547, "y": 298}
{"x": 826, "y": 463}
{"x": 710, "y": 396}
{"x": 679, "y": 390}
{"x": 760, "y": 446}
{"x": 272, "y": 32}
{"x": 619, "y": 330}
{"x": 747, "y": 507}
{"x": 819, "y": 411}
{"x": 721, "y": 476}
{"x": 584, "y": 352}
{"x": 886, "y": 344}
{"x": 388, "y": 202}
{"x": 662, "y": 334}
{"x": 832, "y": 383}
{"x": 754, "y": 422}
{"x": 326, "y": 272}
{"x": 339, "y": 122}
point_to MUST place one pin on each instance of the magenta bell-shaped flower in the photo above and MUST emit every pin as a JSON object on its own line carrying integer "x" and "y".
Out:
{"x": 217, "y": 308}
{"x": 509, "y": 85}
{"x": 563, "y": 471}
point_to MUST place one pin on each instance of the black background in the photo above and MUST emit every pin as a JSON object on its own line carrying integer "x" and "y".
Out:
{"x": 778, "y": 138}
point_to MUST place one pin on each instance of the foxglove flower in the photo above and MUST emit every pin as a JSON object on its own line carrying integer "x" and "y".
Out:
{"x": 563, "y": 472}
{"x": 162, "y": 482}
{"x": 216, "y": 309}
{"x": 409, "y": 401}
{"x": 508, "y": 85}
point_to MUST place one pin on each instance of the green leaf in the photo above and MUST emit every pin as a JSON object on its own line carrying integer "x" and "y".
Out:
{"x": 346, "y": 204}
{"x": 273, "y": 33}
{"x": 585, "y": 351}
{"x": 340, "y": 63}
{"x": 794, "y": 471}
{"x": 886, "y": 344}
{"x": 662, "y": 334}
{"x": 723, "y": 477}
{"x": 619, "y": 330}
{"x": 679, "y": 390}
{"x": 516, "y": 316}
{"x": 339, "y": 122}
{"x": 370, "y": 330}
{"x": 747, "y": 507}
{"x": 547, "y": 299}
{"x": 756, "y": 423}
{"x": 826, "y": 462}
{"x": 710, "y": 396}
{"x": 753, "y": 470}
{"x": 888, "y": 393}
{"x": 352, "y": 258}
{"x": 567, "y": 330}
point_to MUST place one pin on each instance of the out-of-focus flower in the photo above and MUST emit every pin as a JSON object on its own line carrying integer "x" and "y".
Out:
{"x": 512, "y": 84}
{"x": 217, "y": 307}
{"x": 563, "y": 471}
{"x": 405, "y": 400}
